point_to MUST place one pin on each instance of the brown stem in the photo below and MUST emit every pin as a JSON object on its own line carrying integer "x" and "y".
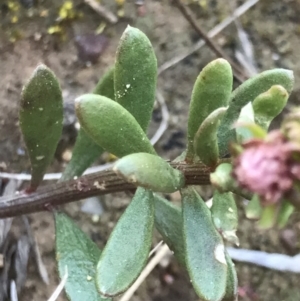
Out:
{"x": 237, "y": 71}
{"x": 86, "y": 186}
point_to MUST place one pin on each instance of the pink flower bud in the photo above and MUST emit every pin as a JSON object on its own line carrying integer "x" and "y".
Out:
{"x": 267, "y": 167}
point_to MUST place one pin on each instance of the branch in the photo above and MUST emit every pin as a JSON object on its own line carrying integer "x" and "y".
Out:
{"x": 99, "y": 183}
{"x": 237, "y": 71}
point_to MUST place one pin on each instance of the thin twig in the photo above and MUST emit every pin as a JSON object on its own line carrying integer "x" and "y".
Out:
{"x": 102, "y": 11}
{"x": 155, "y": 248}
{"x": 163, "y": 251}
{"x": 212, "y": 33}
{"x": 165, "y": 118}
{"x": 274, "y": 261}
{"x": 60, "y": 287}
{"x": 237, "y": 71}
{"x": 86, "y": 186}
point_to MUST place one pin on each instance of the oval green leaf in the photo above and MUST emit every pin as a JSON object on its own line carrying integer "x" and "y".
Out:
{"x": 77, "y": 253}
{"x": 81, "y": 158}
{"x": 204, "y": 248}
{"x": 105, "y": 85}
{"x": 135, "y": 75}
{"x": 269, "y": 216}
{"x": 225, "y": 216}
{"x": 246, "y": 92}
{"x": 84, "y": 154}
{"x": 206, "y": 138}
{"x": 149, "y": 171}
{"x": 111, "y": 126}
{"x": 41, "y": 118}
{"x": 211, "y": 91}
{"x": 268, "y": 105}
{"x": 168, "y": 222}
{"x": 286, "y": 210}
{"x": 253, "y": 209}
{"x": 246, "y": 117}
{"x": 127, "y": 249}
{"x": 222, "y": 180}
{"x": 231, "y": 293}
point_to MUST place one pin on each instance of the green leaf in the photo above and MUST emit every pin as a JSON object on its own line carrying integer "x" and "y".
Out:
{"x": 269, "y": 104}
{"x": 246, "y": 92}
{"x": 253, "y": 130}
{"x": 168, "y": 222}
{"x": 222, "y": 179}
{"x": 111, "y": 126}
{"x": 41, "y": 117}
{"x": 127, "y": 249}
{"x": 231, "y": 293}
{"x": 285, "y": 212}
{"x": 268, "y": 216}
{"x": 81, "y": 158}
{"x": 79, "y": 254}
{"x": 246, "y": 116}
{"x": 135, "y": 75}
{"x": 253, "y": 209}
{"x": 206, "y": 138}
{"x": 211, "y": 91}
{"x": 84, "y": 154}
{"x": 105, "y": 85}
{"x": 149, "y": 171}
{"x": 204, "y": 248}
{"x": 225, "y": 215}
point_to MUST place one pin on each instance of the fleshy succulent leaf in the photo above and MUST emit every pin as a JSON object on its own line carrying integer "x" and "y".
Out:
{"x": 246, "y": 92}
{"x": 253, "y": 130}
{"x": 127, "y": 249}
{"x": 268, "y": 216}
{"x": 221, "y": 178}
{"x": 205, "y": 257}
{"x": 253, "y": 209}
{"x": 41, "y": 118}
{"x": 225, "y": 216}
{"x": 105, "y": 85}
{"x": 135, "y": 75}
{"x": 78, "y": 254}
{"x": 231, "y": 293}
{"x": 246, "y": 117}
{"x": 206, "y": 138}
{"x": 268, "y": 105}
{"x": 285, "y": 212}
{"x": 111, "y": 126}
{"x": 168, "y": 222}
{"x": 86, "y": 150}
{"x": 84, "y": 154}
{"x": 211, "y": 91}
{"x": 149, "y": 171}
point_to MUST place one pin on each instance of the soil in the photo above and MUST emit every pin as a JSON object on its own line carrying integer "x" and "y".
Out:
{"x": 274, "y": 30}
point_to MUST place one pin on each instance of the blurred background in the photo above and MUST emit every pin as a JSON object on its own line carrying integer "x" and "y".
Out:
{"x": 77, "y": 40}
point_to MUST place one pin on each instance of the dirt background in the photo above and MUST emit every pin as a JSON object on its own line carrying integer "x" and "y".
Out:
{"x": 274, "y": 29}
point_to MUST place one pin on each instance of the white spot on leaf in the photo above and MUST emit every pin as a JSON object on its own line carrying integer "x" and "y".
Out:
{"x": 219, "y": 254}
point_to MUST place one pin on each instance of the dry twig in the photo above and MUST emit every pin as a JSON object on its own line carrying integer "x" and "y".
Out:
{"x": 102, "y": 11}
{"x": 86, "y": 186}
{"x": 161, "y": 253}
{"x": 237, "y": 71}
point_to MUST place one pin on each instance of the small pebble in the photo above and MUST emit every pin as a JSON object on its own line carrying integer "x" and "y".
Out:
{"x": 90, "y": 47}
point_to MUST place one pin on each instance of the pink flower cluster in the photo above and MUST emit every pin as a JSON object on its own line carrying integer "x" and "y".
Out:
{"x": 268, "y": 167}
